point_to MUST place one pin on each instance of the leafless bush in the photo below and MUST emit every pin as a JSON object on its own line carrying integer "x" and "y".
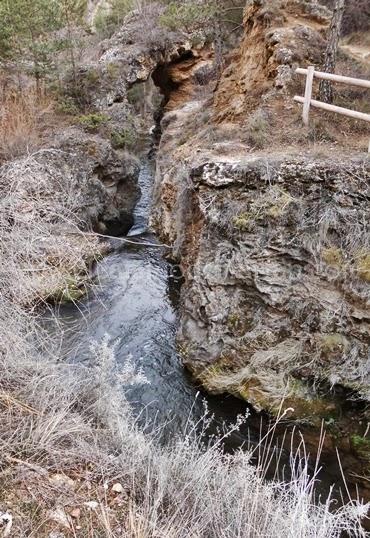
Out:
{"x": 56, "y": 415}
{"x": 356, "y": 17}
{"x": 39, "y": 207}
{"x": 205, "y": 75}
{"x": 257, "y": 129}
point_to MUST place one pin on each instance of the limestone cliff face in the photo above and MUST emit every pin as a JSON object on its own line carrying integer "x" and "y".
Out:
{"x": 274, "y": 243}
{"x": 276, "y": 302}
{"x": 111, "y": 176}
{"x": 277, "y": 36}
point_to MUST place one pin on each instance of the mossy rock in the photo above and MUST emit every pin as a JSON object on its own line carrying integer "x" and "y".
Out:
{"x": 301, "y": 401}
{"x": 243, "y": 222}
{"x": 72, "y": 292}
{"x": 361, "y": 447}
{"x": 333, "y": 256}
{"x": 363, "y": 267}
{"x": 334, "y": 344}
{"x": 311, "y": 409}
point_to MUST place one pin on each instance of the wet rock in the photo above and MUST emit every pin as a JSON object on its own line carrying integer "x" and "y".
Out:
{"x": 112, "y": 178}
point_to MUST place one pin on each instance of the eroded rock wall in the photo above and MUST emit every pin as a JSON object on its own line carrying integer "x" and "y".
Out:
{"x": 274, "y": 243}
{"x": 277, "y": 300}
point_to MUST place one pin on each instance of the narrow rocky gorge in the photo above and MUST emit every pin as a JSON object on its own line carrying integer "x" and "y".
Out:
{"x": 272, "y": 236}
{"x": 270, "y": 228}
{"x": 194, "y": 256}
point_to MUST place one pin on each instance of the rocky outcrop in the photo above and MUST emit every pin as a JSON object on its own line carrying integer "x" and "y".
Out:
{"x": 48, "y": 198}
{"x": 131, "y": 56}
{"x": 273, "y": 243}
{"x": 276, "y": 302}
{"x": 111, "y": 177}
{"x": 278, "y": 36}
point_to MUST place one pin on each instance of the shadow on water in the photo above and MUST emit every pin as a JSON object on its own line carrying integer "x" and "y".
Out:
{"x": 135, "y": 304}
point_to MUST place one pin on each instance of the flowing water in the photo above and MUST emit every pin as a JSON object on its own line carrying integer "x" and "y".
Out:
{"x": 135, "y": 305}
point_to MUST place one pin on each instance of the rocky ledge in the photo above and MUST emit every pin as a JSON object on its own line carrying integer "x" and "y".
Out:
{"x": 273, "y": 239}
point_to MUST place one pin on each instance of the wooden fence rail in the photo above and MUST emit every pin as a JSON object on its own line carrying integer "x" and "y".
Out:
{"x": 307, "y": 100}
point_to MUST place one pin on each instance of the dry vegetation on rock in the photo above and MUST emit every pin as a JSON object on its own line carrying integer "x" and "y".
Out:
{"x": 74, "y": 461}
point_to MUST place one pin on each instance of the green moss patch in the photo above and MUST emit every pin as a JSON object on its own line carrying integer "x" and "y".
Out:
{"x": 363, "y": 267}
{"x": 333, "y": 256}
{"x": 361, "y": 447}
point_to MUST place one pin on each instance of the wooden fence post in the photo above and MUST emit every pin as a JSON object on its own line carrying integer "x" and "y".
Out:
{"x": 308, "y": 94}
{"x": 308, "y": 102}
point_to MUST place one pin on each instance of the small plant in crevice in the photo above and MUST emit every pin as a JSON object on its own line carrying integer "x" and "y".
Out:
{"x": 124, "y": 138}
{"x": 205, "y": 74}
{"x": 243, "y": 222}
{"x": 363, "y": 266}
{"x": 92, "y": 122}
{"x": 361, "y": 446}
{"x": 67, "y": 106}
{"x": 135, "y": 94}
{"x": 257, "y": 129}
{"x": 333, "y": 256}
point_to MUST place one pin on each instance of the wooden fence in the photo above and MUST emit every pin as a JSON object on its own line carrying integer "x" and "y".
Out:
{"x": 307, "y": 100}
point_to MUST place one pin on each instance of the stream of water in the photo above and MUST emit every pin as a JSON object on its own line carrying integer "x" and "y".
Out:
{"x": 135, "y": 305}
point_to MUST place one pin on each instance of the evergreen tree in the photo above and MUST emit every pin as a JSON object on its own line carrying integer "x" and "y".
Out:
{"x": 326, "y": 87}
{"x": 24, "y": 34}
{"x": 71, "y": 13}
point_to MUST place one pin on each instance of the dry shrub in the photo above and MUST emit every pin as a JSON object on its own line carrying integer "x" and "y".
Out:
{"x": 356, "y": 16}
{"x": 257, "y": 129}
{"x": 75, "y": 420}
{"x": 22, "y": 116}
{"x": 40, "y": 203}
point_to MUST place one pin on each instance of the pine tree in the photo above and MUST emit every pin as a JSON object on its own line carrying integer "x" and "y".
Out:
{"x": 326, "y": 87}
{"x": 71, "y": 13}
{"x": 24, "y": 34}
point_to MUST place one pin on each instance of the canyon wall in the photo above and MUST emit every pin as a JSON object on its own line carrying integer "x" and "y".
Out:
{"x": 269, "y": 222}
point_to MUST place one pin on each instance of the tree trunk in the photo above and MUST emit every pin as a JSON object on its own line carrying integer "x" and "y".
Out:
{"x": 219, "y": 60}
{"x": 326, "y": 87}
{"x": 71, "y": 48}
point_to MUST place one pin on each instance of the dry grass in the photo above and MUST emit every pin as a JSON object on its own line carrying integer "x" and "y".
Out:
{"x": 22, "y": 118}
{"x": 67, "y": 432}
{"x": 40, "y": 204}
{"x": 68, "y": 436}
